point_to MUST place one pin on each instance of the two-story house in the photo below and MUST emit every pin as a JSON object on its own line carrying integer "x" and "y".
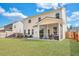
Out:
{"x": 52, "y": 23}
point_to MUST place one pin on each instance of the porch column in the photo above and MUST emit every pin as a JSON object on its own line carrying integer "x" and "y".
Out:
{"x": 59, "y": 32}
{"x": 47, "y": 31}
{"x": 64, "y": 31}
{"x": 38, "y": 32}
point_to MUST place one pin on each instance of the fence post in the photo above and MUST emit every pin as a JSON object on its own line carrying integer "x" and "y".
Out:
{"x": 78, "y": 36}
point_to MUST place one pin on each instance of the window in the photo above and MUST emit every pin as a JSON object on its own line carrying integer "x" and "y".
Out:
{"x": 32, "y": 31}
{"x": 39, "y": 19}
{"x": 14, "y": 26}
{"x": 24, "y": 31}
{"x": 10, "y": 28}
{"x": 28, "y": 31}
{"x": 57, "y": 15}
{"x": 29, "y": 21}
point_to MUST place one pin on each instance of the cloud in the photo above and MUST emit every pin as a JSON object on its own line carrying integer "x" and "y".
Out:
{"x": 77, "y": 24}
{"x": 14, "y": 9}
{"x": 73, "y": 18}
{"x": 1, "y": 10}
{"x": 63, "y": 4}
{"x": 55, "y": 5}
{"x": 44, "y": 5}
{"x": 49, "y": 5}
{"x": 40, "y": 10}
{"x": 14, "y": 13}
{"x": 75, "y": 15}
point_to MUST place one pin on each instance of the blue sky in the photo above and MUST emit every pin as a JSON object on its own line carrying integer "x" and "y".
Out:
{"x": 10, "y": 12}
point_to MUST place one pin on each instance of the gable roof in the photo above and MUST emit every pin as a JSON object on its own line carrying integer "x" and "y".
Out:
{"x": 48, "y": 12}
{"x": 43, "y": 13}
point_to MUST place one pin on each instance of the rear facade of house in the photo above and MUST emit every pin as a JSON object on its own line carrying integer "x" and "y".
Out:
{"x": 50, "y": 24}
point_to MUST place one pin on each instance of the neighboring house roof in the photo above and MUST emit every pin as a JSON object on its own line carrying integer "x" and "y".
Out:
{"x": 8, "y": 27}
{"x": 12, "y": 23}
{"x": 2, "y": 30}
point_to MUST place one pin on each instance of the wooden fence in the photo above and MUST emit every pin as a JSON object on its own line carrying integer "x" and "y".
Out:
{"x": 72, "y": 35}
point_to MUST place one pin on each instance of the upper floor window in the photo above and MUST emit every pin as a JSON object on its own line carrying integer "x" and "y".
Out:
{"x": 29, "y": 21}
{"x": 39, "y": 19}
{"x": 57, "y": 15}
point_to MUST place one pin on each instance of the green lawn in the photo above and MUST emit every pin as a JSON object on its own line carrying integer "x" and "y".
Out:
{"x": 20, "y": 47}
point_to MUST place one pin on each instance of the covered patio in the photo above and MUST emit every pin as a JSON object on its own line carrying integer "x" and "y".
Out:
{"x": 50, "y": 28}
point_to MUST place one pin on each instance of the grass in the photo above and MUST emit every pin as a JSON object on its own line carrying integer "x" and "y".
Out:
{"x": 74, "y": 46}
{"x": 26, "y": 47}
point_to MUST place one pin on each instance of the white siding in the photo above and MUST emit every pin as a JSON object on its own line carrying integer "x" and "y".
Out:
{"x": 18, "y": 27}
{"x": 34, "y": 20}
{"x": 2, "y": 34}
